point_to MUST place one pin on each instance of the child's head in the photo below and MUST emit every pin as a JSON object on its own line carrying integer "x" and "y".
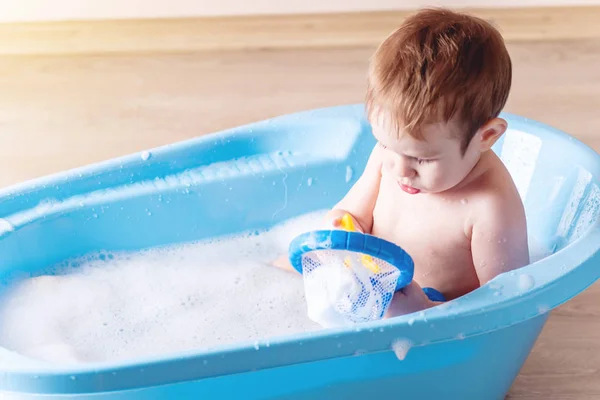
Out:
{"x": 436, "y": 87}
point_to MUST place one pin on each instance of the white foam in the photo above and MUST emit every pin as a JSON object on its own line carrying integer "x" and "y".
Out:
{"x": 5, "y": 227}
{"x": 526, "y": 282}
{"x": 401, "y": 347}
{"x": 124, "y": 306}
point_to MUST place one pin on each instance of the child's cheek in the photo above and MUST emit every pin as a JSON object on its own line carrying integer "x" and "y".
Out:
{"x": 388, "y": 164}
{"x": 436, "y": 175}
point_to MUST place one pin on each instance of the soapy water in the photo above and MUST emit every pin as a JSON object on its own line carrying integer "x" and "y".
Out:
{"x": 120, "y": 306}
{"x": 116, "y": 306}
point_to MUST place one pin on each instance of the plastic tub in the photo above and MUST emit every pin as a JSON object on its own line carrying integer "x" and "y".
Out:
{"x": 470, "y": 348}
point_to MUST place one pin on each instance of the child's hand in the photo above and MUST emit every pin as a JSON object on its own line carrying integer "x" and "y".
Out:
{"x": 333, "y": 220}
{"x": 408, "y": 300}
{"x": 284, "y": 263}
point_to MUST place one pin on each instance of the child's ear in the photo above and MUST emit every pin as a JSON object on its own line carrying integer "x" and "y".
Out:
{"x": 491, "y": 132}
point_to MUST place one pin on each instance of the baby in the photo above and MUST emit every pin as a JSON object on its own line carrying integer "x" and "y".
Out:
{"x": 432, "y": 185}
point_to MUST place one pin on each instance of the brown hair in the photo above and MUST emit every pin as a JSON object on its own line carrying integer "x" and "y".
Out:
{"x": 440, "y": 66}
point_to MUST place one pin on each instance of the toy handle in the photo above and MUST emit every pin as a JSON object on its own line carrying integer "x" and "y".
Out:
{"x": 347, "y": 223}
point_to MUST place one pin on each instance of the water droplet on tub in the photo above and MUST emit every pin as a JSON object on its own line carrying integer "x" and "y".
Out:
{"x": 349, "y": 173}
{"x": 149, "y": 214}
{"x": 5, "y": 227}
{"x": 309, "y": 182}
{"x": 526, "y": 282}
{"x": 205, "y": 362}
{"x": 256, "y": 346}
{"x": 95, "y": 215}
{"x": 145, "y": 155}
{"x": 411, "y": 321}
{"x": 460, "y": 336}
{"x": 401, "y": 348}
{"x": 543, "y": 309}
{"x": 73, "y": 378}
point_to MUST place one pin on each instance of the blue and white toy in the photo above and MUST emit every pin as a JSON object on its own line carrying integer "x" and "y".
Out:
{"x": 349, "y": 277}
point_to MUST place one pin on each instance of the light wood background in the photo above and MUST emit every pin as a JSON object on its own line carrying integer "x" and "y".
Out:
{"x": 61, "y": 111}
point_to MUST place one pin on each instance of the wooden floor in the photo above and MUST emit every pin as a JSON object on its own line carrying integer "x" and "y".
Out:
{"x": 61, "y": 112}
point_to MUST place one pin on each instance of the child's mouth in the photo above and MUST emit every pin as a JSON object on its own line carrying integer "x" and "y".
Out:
{"x": 409, "y": 189}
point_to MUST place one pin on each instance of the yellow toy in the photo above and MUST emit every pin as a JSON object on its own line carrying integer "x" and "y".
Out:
{"x": 367, "y": 261}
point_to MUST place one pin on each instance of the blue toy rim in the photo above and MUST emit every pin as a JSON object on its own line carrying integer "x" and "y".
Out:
{"x": 356, "y": 242}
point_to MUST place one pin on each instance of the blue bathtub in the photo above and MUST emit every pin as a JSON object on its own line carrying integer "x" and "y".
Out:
{"x": 258, "y": 175}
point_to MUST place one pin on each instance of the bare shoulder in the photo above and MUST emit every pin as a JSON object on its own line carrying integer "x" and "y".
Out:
{"x": 496, "y": 192}
{"x": 499, "y": 232}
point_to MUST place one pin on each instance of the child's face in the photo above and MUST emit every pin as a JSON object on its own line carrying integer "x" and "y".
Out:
{"x": 432, "y": 165}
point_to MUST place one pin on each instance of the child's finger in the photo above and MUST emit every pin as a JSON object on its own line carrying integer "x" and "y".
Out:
{"x": 337, "y": 222}
{"x": 283, "y": 263}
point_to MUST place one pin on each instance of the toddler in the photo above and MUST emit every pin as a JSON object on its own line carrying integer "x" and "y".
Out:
{"x": 432, "y": 185}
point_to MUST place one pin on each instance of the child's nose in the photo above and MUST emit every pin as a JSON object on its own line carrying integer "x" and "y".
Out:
{"x": 405, "y": 168}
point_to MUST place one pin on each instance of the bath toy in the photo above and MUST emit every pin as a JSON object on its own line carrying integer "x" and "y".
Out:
{"x": 471, "y": 348}
{"x": 349, "y": 277}
{"x": 366, "y": 260}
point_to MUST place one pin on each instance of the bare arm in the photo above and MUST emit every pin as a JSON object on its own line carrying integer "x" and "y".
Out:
{"x": 499, "y": 239}
{"x": 360, "y": 200}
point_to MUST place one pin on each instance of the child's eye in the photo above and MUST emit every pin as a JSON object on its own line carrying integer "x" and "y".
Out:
{"x": 422, "y": 161}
